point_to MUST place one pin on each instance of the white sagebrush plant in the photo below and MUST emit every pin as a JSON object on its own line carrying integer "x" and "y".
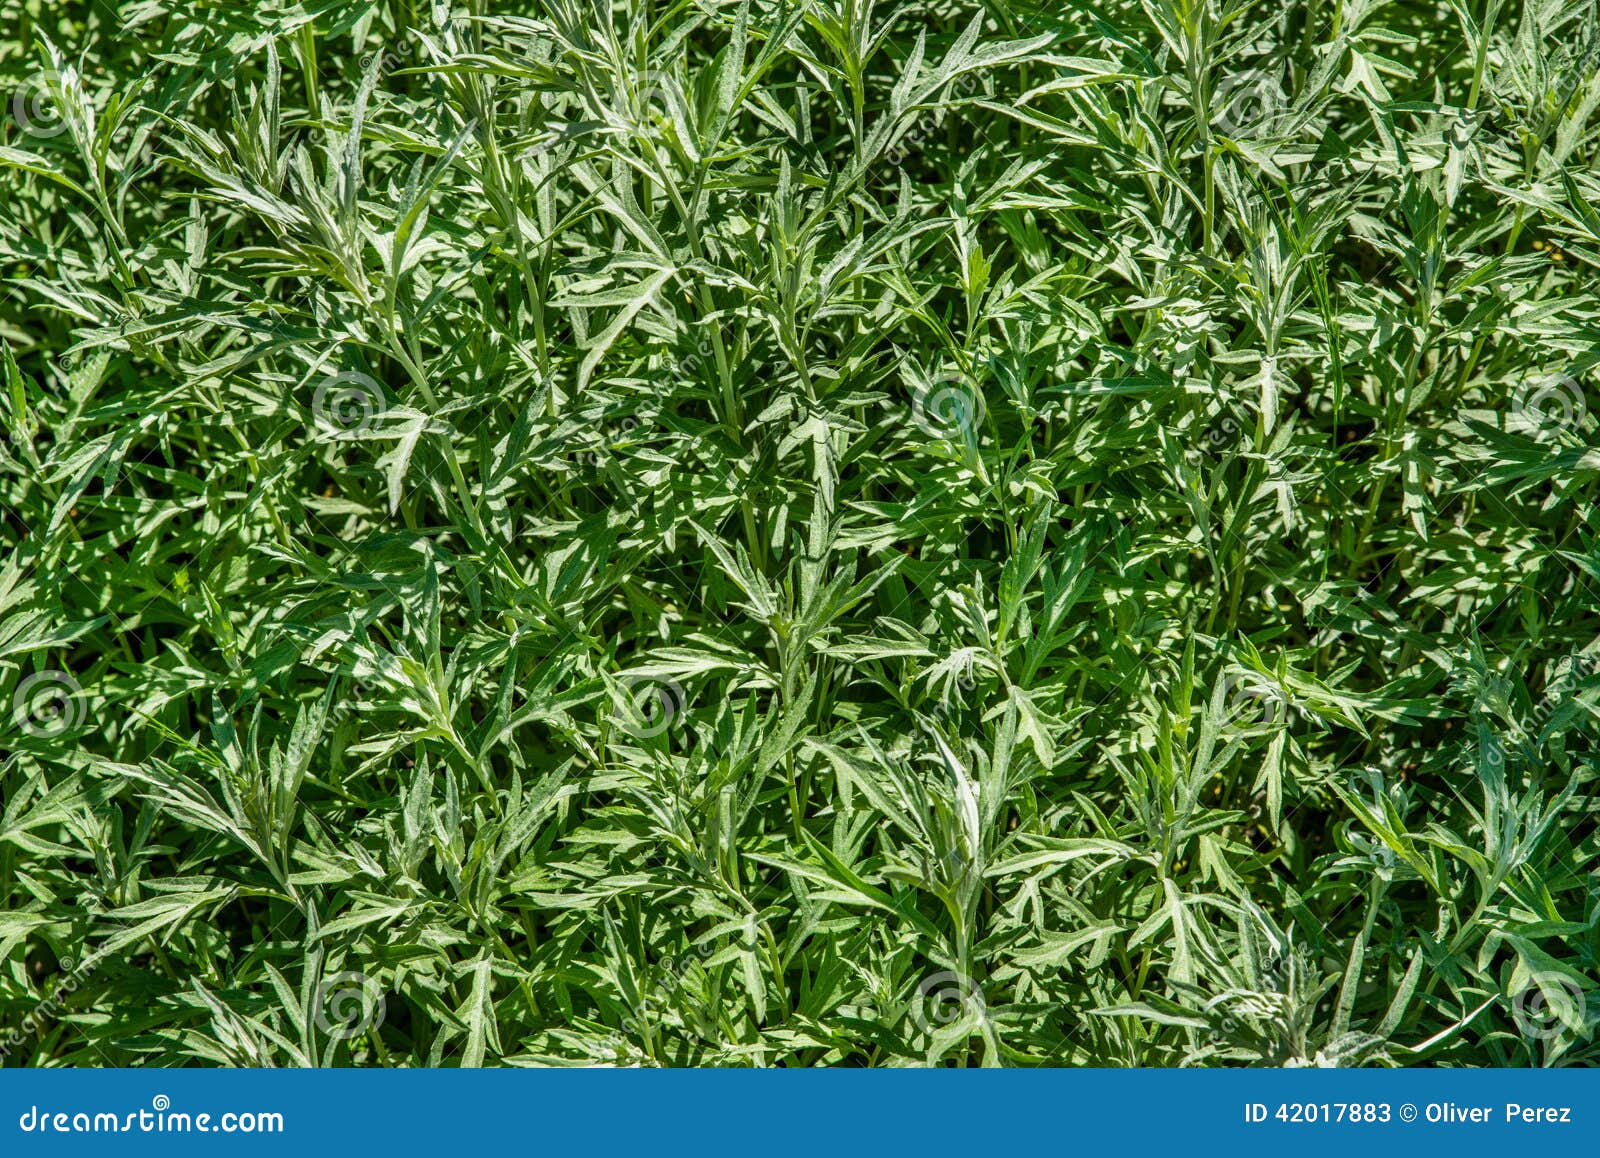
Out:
{"x": 799, "y": 532}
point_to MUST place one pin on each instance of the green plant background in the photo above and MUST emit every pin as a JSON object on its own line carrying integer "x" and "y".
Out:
{"x": 799, "y": 532}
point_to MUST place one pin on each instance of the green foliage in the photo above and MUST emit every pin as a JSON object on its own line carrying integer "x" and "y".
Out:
{"x": 794, "y": 532}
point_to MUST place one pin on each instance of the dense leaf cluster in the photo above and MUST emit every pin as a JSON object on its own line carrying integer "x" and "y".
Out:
{"x": 790, "y": 532}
